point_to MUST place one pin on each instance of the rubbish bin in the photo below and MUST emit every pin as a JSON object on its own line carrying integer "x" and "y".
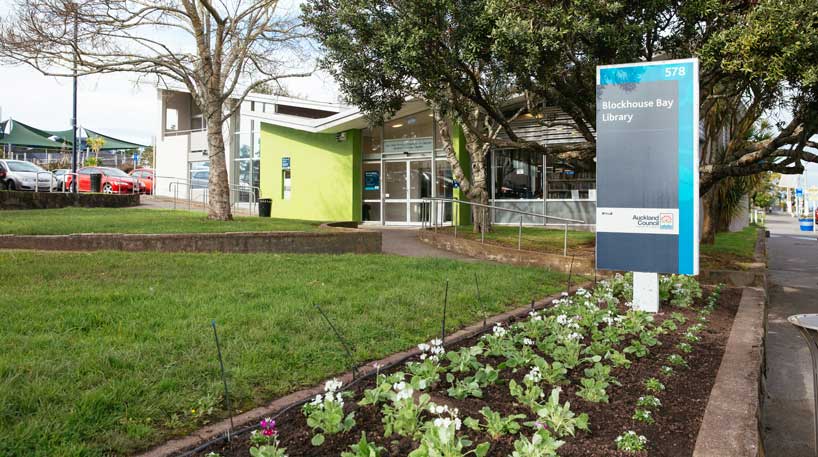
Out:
{"x": 96, "y": 182}
{"x": 806, "y": 224}
{"x": 265, "y": 207}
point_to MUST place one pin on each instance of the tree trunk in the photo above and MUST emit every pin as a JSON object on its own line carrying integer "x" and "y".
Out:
{"x": 218, "y": 188}
{"x": 709, "y": 218}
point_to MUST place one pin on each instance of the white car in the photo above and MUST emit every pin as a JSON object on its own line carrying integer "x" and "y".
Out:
{"x": 22, "y": 175}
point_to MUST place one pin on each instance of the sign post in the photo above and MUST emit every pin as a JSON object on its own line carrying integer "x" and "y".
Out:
{"x": 647, "y": 213}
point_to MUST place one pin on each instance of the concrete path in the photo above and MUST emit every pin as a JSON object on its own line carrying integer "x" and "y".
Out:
{"x": 159, "y": 202}
{"x": 404, "y": 241}
{"x": 793, "y": 276}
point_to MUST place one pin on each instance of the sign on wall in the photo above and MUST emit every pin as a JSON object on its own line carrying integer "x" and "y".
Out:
{"x": 285, "y": 163}
{"x": 408, "y": 145}
{"x": 648, "y": 167}
{"x": 372, "y": 180}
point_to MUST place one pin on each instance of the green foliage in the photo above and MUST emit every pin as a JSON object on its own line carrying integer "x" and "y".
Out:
{"x": 593, "y": 390}
{"x": 559, "y": 418}
{"x": 654, "y": 385}
{"x": 649, "y": 401}
{"x": 631, "y": 442}
{"x": 464, "y": 360}
{"x": 363, "y": 448}
{"x": 402, "y": 415}
{"x": 495, "y": 424}
{"x": 542, "y": 444}
{"x": 643, "y": 415}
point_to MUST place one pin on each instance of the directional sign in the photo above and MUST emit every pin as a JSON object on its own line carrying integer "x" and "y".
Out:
{"x": 648, "y": 167}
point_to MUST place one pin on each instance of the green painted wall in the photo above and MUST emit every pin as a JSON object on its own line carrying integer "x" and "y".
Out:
{"x": 325, "y": 174}
{"x": 461, "y": 214}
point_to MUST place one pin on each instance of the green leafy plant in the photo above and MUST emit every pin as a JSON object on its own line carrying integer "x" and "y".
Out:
{"x": 631, "y": 442}
{"x": 654, "y": 385}
{"x": 643, "y": 415}
{"x": 553, "y": 373}
{"x": 462, "y": 388}
{"x": 684, "y": 347}
{"x": 593, "y": 390}
{"x": 541, "y": 444}
{"x": 529, "y": 393}
{"x": 649, "y": 401}
{"x": 559, "y": 417}
{"x": 464, "y": 360}
{"x": 665, "y": 371}
{"x": 678, "y": 317}
{"x": 325, "y": 414}
{"x": 441, "y": 438}
{"x": 677, "y": 360}
{"x": 618, "y": 359}
{"x": 383, "y": 386}
{"x": 402, "y": 415}
{"x": 636, "y": 348}
{"x": 494, "y": 423}
{"x": 363, "y": 448}
{"x": 265, "y": 440}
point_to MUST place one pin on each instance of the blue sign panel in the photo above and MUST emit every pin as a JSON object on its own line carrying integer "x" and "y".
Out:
{"x": 372, "y": 180}
{"x": 285, "y": 163}
{"x": 648, "y": 167}
{"x": 799, "y": 192}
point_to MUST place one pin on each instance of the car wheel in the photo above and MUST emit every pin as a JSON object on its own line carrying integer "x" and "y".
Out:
{"x": 107, "y": 189}
{"x": 10, "y": 185}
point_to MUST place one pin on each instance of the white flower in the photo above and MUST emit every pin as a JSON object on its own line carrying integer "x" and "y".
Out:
{"x": 332, "y": 385}
{"x": 528, "y": 342}
{"x": 534, "y": 375}
{"x": 565, "y": 294}
{"x": 498, "y": 330}
{"x": 436, "y": 342}
{"x": 423, "y": 347}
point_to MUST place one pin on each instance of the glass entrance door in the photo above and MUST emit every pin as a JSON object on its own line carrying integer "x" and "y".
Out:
{"x": 406, "y": 183}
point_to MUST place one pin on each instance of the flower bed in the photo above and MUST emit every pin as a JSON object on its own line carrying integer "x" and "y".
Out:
{"x": 587, "y": 376}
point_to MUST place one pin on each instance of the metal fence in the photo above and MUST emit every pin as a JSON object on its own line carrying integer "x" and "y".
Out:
{"x": 433, "y": 207}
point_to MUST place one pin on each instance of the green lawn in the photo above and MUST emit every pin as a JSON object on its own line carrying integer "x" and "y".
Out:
{"x": 731, "y": 251}
{"x": 534, "y": 238}
{"x": 134, "y": 220}
{"x": 106, "y": 353}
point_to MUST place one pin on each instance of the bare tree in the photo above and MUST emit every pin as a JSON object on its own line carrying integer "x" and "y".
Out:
{"x": 219, "y": 52}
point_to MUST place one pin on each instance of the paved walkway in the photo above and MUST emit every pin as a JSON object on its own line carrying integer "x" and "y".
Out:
{"x": 404, "y": 241}
{"x": 793, "y": 276}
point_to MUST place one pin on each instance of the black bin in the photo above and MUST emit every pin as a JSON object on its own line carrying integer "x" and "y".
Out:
{"x": 96, "y": 182}
{"x": 265, "y": 207}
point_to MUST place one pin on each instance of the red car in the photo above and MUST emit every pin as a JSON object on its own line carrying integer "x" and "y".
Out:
{"x": 146, "y": 176}
{"x": 114, "y": 180}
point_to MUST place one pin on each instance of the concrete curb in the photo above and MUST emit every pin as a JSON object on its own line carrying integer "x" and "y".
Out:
{"x": 730, "y": 424}
{"x": 210, "y": 432}
{"x": 331, "y": 240}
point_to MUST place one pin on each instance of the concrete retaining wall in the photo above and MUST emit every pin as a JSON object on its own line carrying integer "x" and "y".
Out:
{"x": 330, "y": 241}
{"x": 581, "y": 265}
{"x": 45, "y": 200}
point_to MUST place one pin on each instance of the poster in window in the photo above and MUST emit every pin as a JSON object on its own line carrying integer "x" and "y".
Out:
{"x": 372, "y": 180}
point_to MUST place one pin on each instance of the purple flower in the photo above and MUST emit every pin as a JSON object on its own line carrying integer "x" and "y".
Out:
{"x": 540, "y": 425}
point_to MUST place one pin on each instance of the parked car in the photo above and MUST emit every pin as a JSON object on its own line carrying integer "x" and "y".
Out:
{"x": 22, "y": 175}
{"x": 59, "y": 176}
{"x": 114, "y": 180}
{"x": 146, "y": 177}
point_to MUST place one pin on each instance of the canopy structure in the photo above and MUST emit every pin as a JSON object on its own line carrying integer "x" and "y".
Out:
{"x": 16, "y": 133}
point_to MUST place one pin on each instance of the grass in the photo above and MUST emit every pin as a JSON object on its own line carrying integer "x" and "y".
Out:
{"x": 107, "y": 353}
{"x": 534, "y": 238}
{"x": 731, "y": 251}
{"x": 135, "y": 220}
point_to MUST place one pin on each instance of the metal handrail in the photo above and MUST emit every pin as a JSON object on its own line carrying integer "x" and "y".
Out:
{"x": 173, "y": 186}
{"x": 51, "y": 180}
{"x": 433, "y": 220}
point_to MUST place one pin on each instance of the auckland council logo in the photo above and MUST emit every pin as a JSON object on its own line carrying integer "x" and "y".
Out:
{"x": 665, "y": 221}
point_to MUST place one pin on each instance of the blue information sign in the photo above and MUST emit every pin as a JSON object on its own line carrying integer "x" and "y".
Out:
{"x": 648, "y": 167}
{"x": 285, "y": 163}
{"x": 372, "y": 180}
{"x": 799, "y": 192}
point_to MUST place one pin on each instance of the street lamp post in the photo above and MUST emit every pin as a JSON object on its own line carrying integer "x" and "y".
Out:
{"x": 74, "y": 103}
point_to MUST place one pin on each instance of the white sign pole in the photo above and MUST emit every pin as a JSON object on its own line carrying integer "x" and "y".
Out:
{"x": 646, "y": 292}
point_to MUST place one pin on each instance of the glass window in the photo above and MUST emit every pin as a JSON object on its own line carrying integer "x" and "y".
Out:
{"x": 372, "y": 181}
{"x": 244, "y": 143}
{"x": 415, "y": 126}
{"x": 371, "y": 138}
{"x": 565, "y": 182}
{"x": 197, "y": 123}
{"x": 518, "y": 175}
{"x": 444, "y": 179}
{"x": 199, "y": 174}
{"x": 394, "y": 180}
{"x": 171, "y": 119}
{"x": 371, "y": 211}
{"x": 420, "y": 179}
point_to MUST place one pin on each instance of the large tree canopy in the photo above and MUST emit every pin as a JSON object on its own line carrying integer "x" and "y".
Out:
{"x": 467, "y": 59}
{"x": 218, "y": 52}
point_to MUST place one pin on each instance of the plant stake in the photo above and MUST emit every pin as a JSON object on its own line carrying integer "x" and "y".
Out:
{"x": 224, "y": 378}
{"x": 445, "y": 302}
{"x": 343, "y": 342}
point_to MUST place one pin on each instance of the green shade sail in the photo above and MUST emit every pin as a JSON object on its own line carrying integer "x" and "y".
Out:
{"x": 24, "y": 135}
